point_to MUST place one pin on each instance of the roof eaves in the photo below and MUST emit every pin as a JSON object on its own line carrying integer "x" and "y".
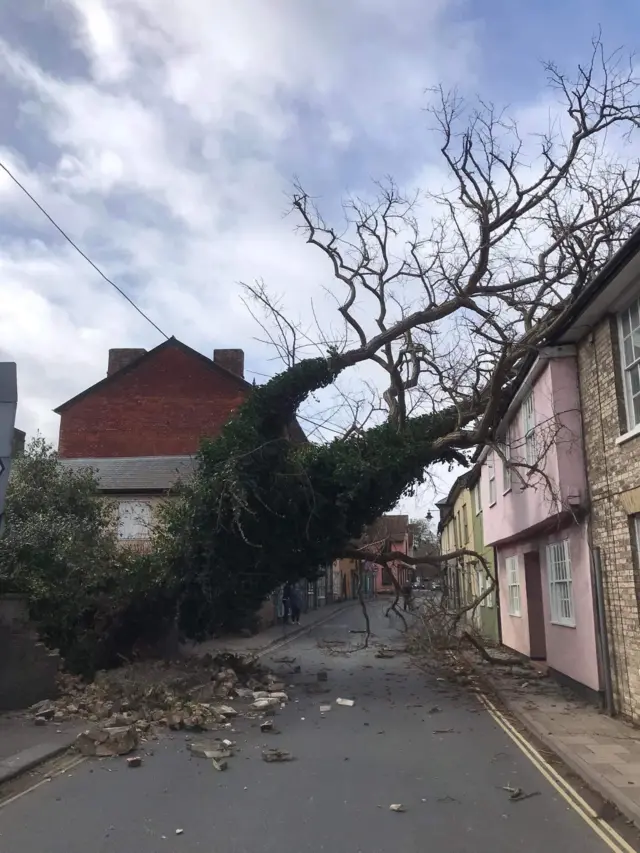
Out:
{"x": 597, "y": 285}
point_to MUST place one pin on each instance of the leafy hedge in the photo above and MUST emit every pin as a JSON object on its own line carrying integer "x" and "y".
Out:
{"x": 90, "y": 599}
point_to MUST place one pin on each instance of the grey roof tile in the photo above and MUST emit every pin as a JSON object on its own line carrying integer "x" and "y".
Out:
{"x": 137, "y": 473}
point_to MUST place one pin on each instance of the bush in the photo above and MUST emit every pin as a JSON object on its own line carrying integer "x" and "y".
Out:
{"x": 90, "y": 599}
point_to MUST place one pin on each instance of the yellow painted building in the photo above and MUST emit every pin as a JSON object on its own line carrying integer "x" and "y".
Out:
{"x": 461, "y": 527}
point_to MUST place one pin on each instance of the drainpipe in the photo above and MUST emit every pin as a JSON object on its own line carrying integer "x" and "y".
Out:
{"x": 497, "y": 594}
{"x": 597, "y": 578}
{"x": 603, "y": 641}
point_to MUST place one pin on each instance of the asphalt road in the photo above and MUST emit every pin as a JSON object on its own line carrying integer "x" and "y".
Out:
{"x": 351, "y": 764}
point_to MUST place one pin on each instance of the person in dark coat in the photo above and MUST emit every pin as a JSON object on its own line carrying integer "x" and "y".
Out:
{"x": 295, "y": 600}
{"x": 286, "y": 602}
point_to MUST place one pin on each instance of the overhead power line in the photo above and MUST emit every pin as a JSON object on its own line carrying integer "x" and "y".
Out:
{"x": 79, "y": 250}
{"x": 119, "y": 289}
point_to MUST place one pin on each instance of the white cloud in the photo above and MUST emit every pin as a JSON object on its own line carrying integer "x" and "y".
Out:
{"x": 170, "y": 160}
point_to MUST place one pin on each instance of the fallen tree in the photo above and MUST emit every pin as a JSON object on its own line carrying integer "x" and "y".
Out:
{"x": 449, "y": 310}
{"x": 459, "y": 309}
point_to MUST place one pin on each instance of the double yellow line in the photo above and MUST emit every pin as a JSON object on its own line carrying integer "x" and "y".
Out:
{"x": 611, "y": 838}
{"x": 60, "y": 769}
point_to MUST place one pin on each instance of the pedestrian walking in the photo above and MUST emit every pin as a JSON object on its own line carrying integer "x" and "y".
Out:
{"x": 286, "y": 602}
{"x": 296, "y": 604}
{"x": 407, "y": 597}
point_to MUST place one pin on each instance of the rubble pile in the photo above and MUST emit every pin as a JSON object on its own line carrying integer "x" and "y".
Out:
{"x": 136, "y": 702}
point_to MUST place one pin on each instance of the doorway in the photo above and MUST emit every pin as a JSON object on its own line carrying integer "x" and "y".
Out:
{"x": 533, "y": 581}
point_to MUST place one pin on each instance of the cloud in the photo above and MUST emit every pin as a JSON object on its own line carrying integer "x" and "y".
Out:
{"x": 163, "y": 137}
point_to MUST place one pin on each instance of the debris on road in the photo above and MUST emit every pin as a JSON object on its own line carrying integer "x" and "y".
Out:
{"x": 270, "y": 755}
{"x": 322, "y": 675}
{"x": 209, "y": 750}
{"x": 325, "y": 708}
{"x": 385, "y": 653}
{"x": 284, "y": 660}
{"x": 349, "y": 703}
{"x": 219, "y": 764}
{"x": 434, "y": 710}
{"x": 267, "y": 726}
{"x": 134, "y": 761}
{"x": 264, "y": 704}
{"x": 443, "y": 731}
{"x": 516, "y": 795}
{"x": 179, "y": 831}
{"x": 397, "y": 807}
{"x": 184, "y": 694}
{"x": 113, "y": 740}
{"x": 226, "y": 711}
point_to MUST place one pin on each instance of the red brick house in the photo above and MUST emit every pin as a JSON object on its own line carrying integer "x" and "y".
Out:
{"x": 156, "y": 403}
{"x": 141, "y": 425}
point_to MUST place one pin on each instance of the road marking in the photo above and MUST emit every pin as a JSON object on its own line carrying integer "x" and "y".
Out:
{"x": 73, "y": 762}
{"x": 607, "y": 833}
{"x": 286, "y": 640}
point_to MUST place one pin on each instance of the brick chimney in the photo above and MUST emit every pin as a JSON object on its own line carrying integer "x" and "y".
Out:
{"x": 119, "y": 358}
{"x": 231, "y": 359}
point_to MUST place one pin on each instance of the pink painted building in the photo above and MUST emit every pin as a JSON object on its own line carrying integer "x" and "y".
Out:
{"x": 390, "y": 533}
{"x": 534, "y": 499}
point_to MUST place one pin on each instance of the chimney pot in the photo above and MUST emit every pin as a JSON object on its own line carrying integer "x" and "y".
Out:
{"x": 231, "y": 359}
{"x": 119, "y": 358}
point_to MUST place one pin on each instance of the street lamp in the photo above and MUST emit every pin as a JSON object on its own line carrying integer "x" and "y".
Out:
{"x": 429, "y": 517}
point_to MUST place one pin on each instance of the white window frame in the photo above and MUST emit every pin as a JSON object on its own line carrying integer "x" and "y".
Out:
{"x": 636, "y": 530}
{"x": 491, "y": 596}
{"x": 506, "y": 469}
{"x": 529, "y": 429}
{"x": 480, "y": 579}
{"x": 514, "y": 604}
{"x": 135, "y": 518}
{"x": 560, "y": 581}
{"x": 465, "y": 524}
{"x": 477, "y": 504}
{"x": 630, "y": 365}
{"x": 491, "y": 469}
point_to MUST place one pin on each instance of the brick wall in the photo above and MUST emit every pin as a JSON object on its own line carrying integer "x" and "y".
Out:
{"x": 613, "y": 469}
{"x": 163, "y": 407}
{"x": 28, "y": 669}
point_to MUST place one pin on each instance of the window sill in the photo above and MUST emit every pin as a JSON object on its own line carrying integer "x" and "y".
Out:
{"x": 493, "y": 504}
{"x": 627, "y": 436}
{"x": 563, "y": 624}
{"x": 506, "y": 491}
{"x": 516, "y": 615}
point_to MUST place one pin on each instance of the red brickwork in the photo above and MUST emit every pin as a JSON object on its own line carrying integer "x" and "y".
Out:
{"x": 162, "y": 406}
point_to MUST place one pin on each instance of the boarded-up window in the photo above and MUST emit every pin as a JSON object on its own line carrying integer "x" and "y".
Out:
{"x": 134, "y": 520}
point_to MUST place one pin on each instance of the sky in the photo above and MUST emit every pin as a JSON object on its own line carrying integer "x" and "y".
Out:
{"x": 163, "y": 138}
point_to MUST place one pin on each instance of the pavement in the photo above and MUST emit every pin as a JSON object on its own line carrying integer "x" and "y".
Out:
{"x": 24, "y": 746}
{"x": 603, "y": 751}
{"x": 411, "y": 738}
{"x": 259, "y": 643}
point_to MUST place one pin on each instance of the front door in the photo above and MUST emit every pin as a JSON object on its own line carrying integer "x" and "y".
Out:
{"x": 533, "y": 582}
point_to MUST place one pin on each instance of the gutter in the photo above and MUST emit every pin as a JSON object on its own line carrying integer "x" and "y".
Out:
{"x": 609, "y": 271}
